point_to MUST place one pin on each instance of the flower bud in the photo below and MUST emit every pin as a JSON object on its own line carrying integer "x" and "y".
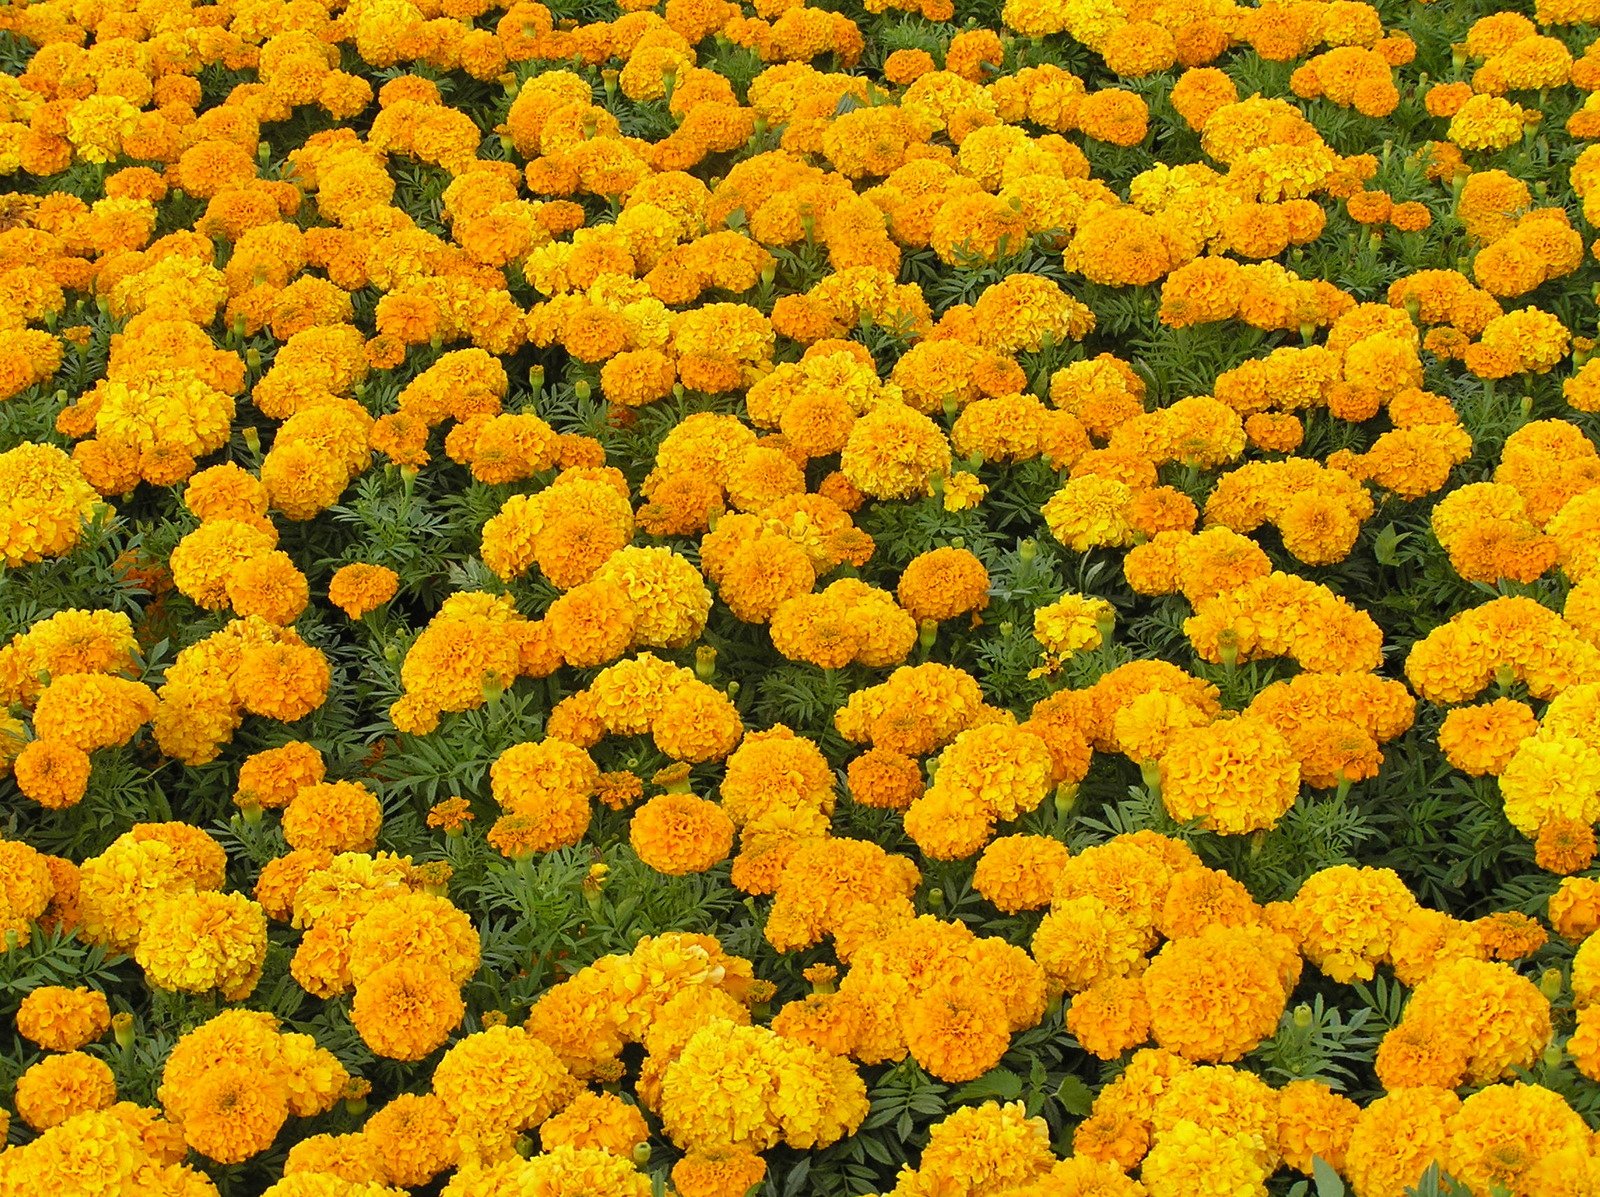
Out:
{"x": 1066, "y": 798}
{"x": 1550, "y": 983}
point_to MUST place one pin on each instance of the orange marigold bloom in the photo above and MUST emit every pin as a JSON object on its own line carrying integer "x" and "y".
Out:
{"x": 680, "y": 833}
{"x": 357, "y": 589}
{"x": 63, "y": 1020}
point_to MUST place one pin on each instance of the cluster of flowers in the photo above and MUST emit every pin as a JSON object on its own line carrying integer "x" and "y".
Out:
{"x": 706, "y": 332}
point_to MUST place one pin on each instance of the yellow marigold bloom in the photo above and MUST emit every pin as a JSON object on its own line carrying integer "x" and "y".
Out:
{"x": 735, "y": 1086}
{"x": 670, "y": 599}
{"x": 1090, "y": 512}
{"x": 1499, "y": 1135}
{"x": 268, "y": 585}
{"x": 63, "y": 1020}
{"x": 882, "y": 778}
{"x": 286, "y": 680}
{"x": 597, "y": 1121}
{"x": 357, "y": 589}
{"x": 1481, "y": 740}
{"x": 270, "y": 779}
{"x": 234, "y": 1112}
{"x": 46, "y": 503}
{"x": 1496, "y": 1019}
{"x": 1083, "y": 941}
{"x": 200, "y": 942}
{"x": 1564, "y": 845}
{"x": 1188, "y": 1158}
{"x": 204, "y": 558}
{"x": 414, "y": 1137}
{"x": 1426, "y": 939}
{"x": 415, "y": 927}
{"x": 990, "y": 773}
{"x": 677, "y": 834}
{"x": 54, "y": 773}
{"x": 717, "y": 1171}
{"x": 1111, "y": 1017}
{"x": 978, "y": 1149}
{"x": 1575, "y": 908}
{"x": 121, "y": 886}
{"x": 1215, "y": 996}
{"x": 92, "y": 711}
{"x": 496, "y": 1084}
{"x": 1489, "y": 123}
{"x": 697, "y": 723}
{"x": 1236, "y": 775}
{"x": 57, "y": 1087}
{"x": 1199, "y": 899}
{"x": 1547, "y": 779}
{"x": 280, "y": 879}
{"x": 893, "y": 452}
{"x": 1345, "y": 919}
{"x": 1073, "y": 623}
{"x": 406, "y": 1009}
{"x": 592, "y": 624}
{"x": 942, "y": 584}
{"x": 225, "y": 491}
{"x": 340, "y": 816}
{"x": 956, "y": 1032}
{"x": 1314, "y": 1123}
{"x": 349, "y": 1157}
{"x": 1019, "y": 872}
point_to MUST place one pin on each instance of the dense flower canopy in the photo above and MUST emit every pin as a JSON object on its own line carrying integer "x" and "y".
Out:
{"x": 901, "y": 598}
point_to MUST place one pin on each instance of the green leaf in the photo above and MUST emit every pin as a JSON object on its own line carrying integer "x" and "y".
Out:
{"x": 1386, "y": 544}
{"x": 1328, "y": 1182}
{"x": 1075, "y": 1096}
{"x": 998, "y": 1084}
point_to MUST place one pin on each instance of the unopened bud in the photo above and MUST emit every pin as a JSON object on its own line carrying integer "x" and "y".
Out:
{"x": 927, "y": 633}
{"x": 705, "y": 662}
{"x": 641, "y": 1154}
{"x": 582, "y": 389}
{"x": 1302, "y": 1016}
{"x": 1066, "y": 798}
{"x": 1550, "y": 984}
{"x": 122, "y": 1028}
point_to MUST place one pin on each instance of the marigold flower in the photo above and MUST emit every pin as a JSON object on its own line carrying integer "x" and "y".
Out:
{"x": 677, "y": 834}
{"x": 406, "y": 1009}
{"x": 54, "y": 773}
{"x": 63, "y": 1020}
{"x": 58, "y": 1087}
{"x": 357, "y": 589}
